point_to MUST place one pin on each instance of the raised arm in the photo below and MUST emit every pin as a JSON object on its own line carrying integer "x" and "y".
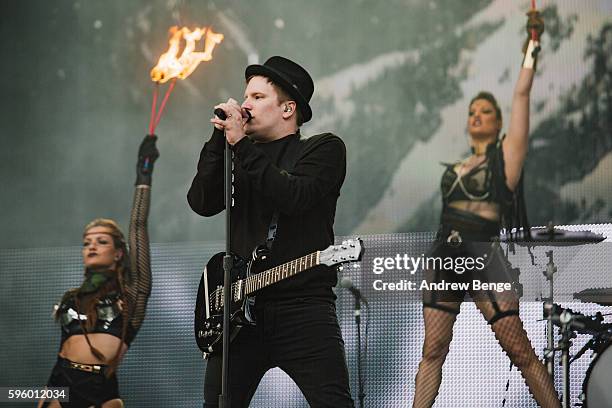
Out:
{"x": 517, "y": 140}
{"x": 139, "y": 286}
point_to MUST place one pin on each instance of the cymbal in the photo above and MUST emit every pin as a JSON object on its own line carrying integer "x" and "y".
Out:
{"x": 547, "y": 236}
{"x": 603, "y": 296}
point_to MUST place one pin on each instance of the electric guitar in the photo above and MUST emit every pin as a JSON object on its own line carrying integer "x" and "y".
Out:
{"x": 208, "y": 322}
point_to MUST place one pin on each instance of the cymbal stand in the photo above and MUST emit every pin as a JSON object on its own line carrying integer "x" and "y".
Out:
{"x": 590, "y": 345}
{"x": 549, "y": 351}
{"x": 564, "y": 346}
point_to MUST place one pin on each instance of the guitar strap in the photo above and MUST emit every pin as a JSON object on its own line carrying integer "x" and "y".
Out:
{"x": 290, "y": 158}
{"x": 292, "y": 154}
{"x": 272, "y": 231}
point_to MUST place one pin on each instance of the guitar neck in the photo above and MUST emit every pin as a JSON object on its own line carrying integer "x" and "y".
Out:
{"x": 280, "y": 272}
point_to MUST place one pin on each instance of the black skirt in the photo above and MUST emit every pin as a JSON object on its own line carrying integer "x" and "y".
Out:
{"x": 466, "y": 258}
{"x": 86, "y": 388}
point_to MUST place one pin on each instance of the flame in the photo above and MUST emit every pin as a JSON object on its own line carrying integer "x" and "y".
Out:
{"x": 169, "y": 66}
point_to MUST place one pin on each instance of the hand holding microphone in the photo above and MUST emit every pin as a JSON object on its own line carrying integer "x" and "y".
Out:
{"x": 231, "y": 118}
{"x": 221, "y": 114}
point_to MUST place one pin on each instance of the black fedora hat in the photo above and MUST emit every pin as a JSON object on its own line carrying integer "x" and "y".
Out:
{"x": 291, "y": 77}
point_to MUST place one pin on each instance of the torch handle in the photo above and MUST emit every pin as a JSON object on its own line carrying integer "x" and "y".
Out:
{"x": 145, "y": 166}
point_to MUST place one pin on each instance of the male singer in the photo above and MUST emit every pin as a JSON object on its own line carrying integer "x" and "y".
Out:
{"x": 278, "y": 175}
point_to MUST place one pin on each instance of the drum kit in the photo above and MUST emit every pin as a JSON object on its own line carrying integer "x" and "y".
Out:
{"x": 597, "y": 385}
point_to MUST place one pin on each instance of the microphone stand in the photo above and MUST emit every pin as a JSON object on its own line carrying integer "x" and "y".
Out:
{"x": 228, "y": 264}
{"x": 564, "y": 345}
{"x": 549, "y": 351}
{"x": 360, "y": 394}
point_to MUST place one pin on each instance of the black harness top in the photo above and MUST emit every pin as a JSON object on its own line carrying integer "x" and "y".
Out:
{"x": 475, "y": 185}
{"x": 486, "y": 182}
{"x": 109, "y": 321}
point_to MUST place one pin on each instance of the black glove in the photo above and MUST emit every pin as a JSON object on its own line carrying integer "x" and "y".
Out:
{"x": 147, "y": 154}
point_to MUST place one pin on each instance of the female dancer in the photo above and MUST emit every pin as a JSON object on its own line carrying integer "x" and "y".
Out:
{"x": 481, "y": 194}
{"x": 100, "y": 319}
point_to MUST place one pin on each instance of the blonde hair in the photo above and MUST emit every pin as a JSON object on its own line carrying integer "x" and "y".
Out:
{"x": 90, "y": 302}
{"x": 115, "y": 232}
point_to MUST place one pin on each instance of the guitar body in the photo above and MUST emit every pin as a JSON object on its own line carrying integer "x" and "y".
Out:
{"x": 208, "y": 322}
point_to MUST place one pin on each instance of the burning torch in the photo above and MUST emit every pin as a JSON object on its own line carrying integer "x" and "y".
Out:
{"x": 172, "y": 66}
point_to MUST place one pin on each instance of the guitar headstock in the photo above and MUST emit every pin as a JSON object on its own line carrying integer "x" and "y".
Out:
{"x": 348, "y": 251}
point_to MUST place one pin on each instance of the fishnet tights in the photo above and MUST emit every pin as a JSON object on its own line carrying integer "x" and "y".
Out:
{"x": 438, "y": 335}
{"x": 511, "y": 336}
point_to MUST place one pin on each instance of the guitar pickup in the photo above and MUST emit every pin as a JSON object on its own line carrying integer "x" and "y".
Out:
{"x": 237, "y": 288}
{"x": 218, "y": 297}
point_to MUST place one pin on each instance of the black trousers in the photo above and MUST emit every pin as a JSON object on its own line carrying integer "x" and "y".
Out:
{"x": 301, "y": 337}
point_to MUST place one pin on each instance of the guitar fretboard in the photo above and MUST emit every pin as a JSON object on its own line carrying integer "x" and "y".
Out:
{"x": 280, "y": 272}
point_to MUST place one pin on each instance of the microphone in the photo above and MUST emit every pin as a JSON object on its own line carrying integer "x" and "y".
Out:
{"x": 220, "y": 113}
{"x": 347, "y": 283}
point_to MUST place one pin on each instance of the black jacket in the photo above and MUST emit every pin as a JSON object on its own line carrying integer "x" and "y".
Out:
{"x": 301, "y": 179}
